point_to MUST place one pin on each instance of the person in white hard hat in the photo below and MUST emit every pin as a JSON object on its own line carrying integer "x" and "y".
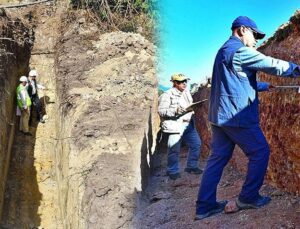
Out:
{"x": 24, "y": 103}
{"x": 33, "y": 87}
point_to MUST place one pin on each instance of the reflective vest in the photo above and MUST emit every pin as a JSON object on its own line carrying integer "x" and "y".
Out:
{"x": 22, "y": 102}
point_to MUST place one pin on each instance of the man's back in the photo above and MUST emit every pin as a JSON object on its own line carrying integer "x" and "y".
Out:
{"x": 233, "y": 96}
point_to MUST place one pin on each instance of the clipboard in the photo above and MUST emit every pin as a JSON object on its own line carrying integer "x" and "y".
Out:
{"x": 196, "y": 103}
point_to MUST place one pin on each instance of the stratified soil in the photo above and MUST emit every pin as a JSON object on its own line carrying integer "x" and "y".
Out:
{"x": 171, "y": 204}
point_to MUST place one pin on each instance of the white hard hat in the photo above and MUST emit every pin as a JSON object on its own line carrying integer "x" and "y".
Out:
{"x": 33, "y": 73}
{"x": 23, "y": 79}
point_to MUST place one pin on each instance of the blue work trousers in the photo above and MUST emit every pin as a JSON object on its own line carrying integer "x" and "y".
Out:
{"x": 253, "y": 143}
{"x": 191, "y": 138}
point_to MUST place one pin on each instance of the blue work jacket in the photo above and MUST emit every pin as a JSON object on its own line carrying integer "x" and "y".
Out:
{"x": 234, "y": 99}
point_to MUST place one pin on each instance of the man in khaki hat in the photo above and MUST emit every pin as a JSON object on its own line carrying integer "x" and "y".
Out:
{"x": 179, "y": 124}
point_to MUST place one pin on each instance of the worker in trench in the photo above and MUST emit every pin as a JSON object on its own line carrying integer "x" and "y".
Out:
{"x": 178, "y": 123}
{"x": 23, "y": 106}
{"x": 33, "y": 88}
{"x": 234, "y": 118}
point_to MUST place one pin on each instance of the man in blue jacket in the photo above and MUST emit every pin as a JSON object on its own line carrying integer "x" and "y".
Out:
{"x": 234, "y": 116}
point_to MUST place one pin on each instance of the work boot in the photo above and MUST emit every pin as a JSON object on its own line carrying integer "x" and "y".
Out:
{"x": 260, "y": 202}
{"x": 193, "y": 170}
{"x": 219, "y": 208}
{"x": 173, "y": 176}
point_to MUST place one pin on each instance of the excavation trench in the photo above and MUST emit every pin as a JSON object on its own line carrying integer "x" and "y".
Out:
{"x": 87, "y": 166}
{"x": 30, "y": 197}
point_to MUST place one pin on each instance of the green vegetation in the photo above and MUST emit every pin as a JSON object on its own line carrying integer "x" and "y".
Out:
{"x": 125, "y": 15}
{"x": 285, "y": 30}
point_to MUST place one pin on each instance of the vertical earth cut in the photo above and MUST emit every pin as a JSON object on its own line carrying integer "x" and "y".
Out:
{"x": 107, "y": 107}
{"x": 15, "y": 44}
{"x": 88, "y": 164}
{"x": 280, "y": 110}
{"x": 107, "y": 91}
{"x": 31, "y": 190}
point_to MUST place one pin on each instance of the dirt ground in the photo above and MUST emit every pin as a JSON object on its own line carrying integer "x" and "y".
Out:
{"x": 22, "y": 196}
{"x": 171, "y": 204}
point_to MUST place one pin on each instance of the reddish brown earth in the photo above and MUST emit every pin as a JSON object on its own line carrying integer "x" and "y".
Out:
{"x": 201, "y": 118}
{"x": 171, "y": 204}
{"x": 280, "y": 110}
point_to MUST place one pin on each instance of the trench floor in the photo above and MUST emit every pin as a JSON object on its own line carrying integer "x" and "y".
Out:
{"x": 29, "y": 200}
{"x": 22, "y": 196}
{"x": 171, "y": 204}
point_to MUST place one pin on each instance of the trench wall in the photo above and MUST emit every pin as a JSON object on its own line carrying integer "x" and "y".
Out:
{"x": 201, "y": 117}
{"x": 107, "y": 96}
{"x": 280, "y": 110}
{"x": 15, "y": 44}
{"x": 91, "y": 158}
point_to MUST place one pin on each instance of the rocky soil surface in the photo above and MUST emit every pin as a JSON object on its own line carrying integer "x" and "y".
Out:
{"x": 171, "y": 204}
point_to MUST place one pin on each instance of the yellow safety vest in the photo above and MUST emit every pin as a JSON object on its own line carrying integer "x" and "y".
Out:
{"x": 20, "y": 102}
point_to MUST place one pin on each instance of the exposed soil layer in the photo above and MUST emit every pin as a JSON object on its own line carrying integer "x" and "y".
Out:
{"x": 87, "y": 165}
{"x": 280, "y": 110}
{"x": 107, "y": 92}
{"x": 15, "y": 46}
{"x": 30, "y": 199}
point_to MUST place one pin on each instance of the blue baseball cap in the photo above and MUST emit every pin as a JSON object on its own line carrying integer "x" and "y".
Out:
{"x": 247, "y": 22}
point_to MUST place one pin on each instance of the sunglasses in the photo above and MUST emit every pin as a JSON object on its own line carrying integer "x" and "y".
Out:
{"x": 179, "y": 82}
{"x": 255, "y": 34}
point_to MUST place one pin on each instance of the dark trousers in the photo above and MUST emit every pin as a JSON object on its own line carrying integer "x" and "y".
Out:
{"x": 36, "y": 103}
{"x": 189, "y": 136}
{"x": 253, "y": 143}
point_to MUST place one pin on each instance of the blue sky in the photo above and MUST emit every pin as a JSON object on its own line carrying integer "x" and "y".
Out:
{"x": 192, "y": 31}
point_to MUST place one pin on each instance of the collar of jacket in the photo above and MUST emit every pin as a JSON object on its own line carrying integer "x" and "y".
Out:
{"x": 175, "y": 91}
{"x": 237, "y": 39}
